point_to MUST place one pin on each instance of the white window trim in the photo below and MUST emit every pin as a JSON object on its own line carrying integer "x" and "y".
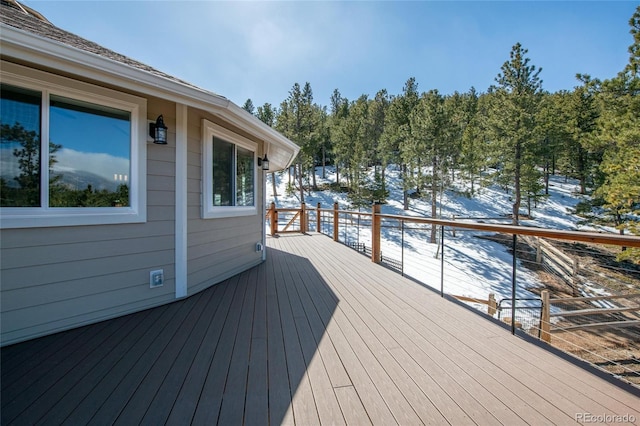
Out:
{"x": 30, "y": 217}
{"x": 209, "y": 211}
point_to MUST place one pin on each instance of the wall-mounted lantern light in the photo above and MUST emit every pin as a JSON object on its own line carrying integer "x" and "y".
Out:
{"x": 158, "y": 131}
{"x": 264, "y": 162}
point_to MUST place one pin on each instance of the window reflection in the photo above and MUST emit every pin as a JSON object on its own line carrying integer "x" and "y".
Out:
{"x": 222, "y": 172}
{"x": 244, "y": 178}
{"x": 89, "y": 154}
{"x": 19, "y": 147}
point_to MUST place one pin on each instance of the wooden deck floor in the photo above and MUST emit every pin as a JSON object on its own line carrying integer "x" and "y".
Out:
{"x": 315, "y": 335}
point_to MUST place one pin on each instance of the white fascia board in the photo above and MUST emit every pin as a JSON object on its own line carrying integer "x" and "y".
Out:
{"x": 29, "y": 47}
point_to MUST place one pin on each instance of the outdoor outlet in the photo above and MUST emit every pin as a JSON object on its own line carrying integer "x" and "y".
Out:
{"x": 156, "y": 278}
{"x": 259, "y": 247}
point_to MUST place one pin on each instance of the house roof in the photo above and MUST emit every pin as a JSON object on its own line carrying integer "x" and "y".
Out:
{"x": 27, "y": 35}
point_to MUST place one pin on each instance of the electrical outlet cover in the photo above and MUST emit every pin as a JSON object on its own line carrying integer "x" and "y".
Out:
{"x": 156, "y": 278}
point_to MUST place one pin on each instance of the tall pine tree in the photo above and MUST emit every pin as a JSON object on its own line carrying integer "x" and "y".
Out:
{"x": 514, "y": 117}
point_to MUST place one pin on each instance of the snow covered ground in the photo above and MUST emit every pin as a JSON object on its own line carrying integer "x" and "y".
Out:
{"x": 474, "y": 267}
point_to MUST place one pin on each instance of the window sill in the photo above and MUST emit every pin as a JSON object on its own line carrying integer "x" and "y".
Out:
{"x": 222, "y": 212}
{"x": 41, "y": 218}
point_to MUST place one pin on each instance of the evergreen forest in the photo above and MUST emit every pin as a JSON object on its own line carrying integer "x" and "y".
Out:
{"x": 515, "y": 128}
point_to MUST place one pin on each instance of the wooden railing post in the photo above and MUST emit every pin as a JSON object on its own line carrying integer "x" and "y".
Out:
{"x": 574, "y": 274}
{"x": 545, "y": 324}
{"x": 318, "y": 218}
{"x": 493, "y": 305}
{"x": 273, "y": 219}
{"x": 335, "y": 221}
{"x": 375, "y": 234}
{"x": 303, "y": 218}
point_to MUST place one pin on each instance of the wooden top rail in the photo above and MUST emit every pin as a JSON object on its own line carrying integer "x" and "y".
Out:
{"x": 290, "y": 210}
{"x": 589, "y": 237}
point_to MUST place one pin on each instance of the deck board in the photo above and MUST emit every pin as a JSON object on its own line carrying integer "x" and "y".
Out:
{"x": 458, "y": 349}
{"x": 278, "y": 376}
{"x": 235, "y": 389}
{"x": 315, "y": 335}
{"x": 480, "y": 384}
{"x": 167, "y": 394}
{"x": 138, "y": 363}
{"x": 208, "y": 409}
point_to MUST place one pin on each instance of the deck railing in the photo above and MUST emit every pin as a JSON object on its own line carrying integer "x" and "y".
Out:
{"x": 422, "y": 248}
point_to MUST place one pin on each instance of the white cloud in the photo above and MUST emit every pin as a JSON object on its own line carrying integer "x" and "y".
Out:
{"x": 103, "y": 165}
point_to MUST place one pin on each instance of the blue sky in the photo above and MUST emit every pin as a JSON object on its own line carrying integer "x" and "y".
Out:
{"x": 258, "y": 50}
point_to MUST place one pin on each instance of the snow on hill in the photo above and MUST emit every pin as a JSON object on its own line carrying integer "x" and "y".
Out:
{"x": 474, "y": 267}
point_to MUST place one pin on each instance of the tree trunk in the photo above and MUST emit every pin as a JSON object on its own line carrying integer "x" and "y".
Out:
{"x": 434, "y": 197}
{"x": 313, "y": 174}
{"x": 405, "y": 201}
{"x": 273, "y": 184}
{"x": 472, "y": 179}
{"x": 300, "y": 181}
{"x": 546, "y": 166}
{"x": 324, "y": 162}
{"x": 518, "y": 196}
{"x": 581, "y": 171}
{"x": 384, "y": 184}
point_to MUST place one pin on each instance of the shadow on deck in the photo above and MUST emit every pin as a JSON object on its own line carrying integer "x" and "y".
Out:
{"x": 315, "y": 335}
{"x": 234, "y": 353}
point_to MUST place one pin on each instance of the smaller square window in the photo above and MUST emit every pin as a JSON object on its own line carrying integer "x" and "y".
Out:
{"x": 229, "y": 173}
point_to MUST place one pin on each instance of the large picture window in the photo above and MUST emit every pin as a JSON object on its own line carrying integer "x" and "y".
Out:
{"x": 19, "y": 147}
{"x": 69, "y": 156}
{"x": 89, "y": 154}
{"x": 229, "y": 173}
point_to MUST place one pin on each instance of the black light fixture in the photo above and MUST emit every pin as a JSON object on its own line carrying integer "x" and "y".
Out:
{"x": 264, "y": 162}
{"x": 158, "y": 131}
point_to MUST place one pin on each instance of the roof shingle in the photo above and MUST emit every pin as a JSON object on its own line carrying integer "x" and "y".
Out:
{"x": 24, "y": 18}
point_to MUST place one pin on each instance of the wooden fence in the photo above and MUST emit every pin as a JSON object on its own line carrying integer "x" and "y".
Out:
{"x": 555, "y": 261}
{"x": 588, "y": 309}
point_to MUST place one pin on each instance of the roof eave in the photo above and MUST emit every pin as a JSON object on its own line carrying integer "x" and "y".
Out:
{"x": 32, "y": 48}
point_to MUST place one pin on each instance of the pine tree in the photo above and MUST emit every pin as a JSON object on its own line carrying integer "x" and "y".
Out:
{"x": 619, "y": 134}
{"x": 473, "y": 153}
{"x": 267, "y": 114}
{"x": 339, "y": 112}
{"x": 429, "y": 143}
{"x": 582, "y": 112}
{"x": 514, "y": 123}
{"x": 248, "y": 106}
{"x": 375, "y": 128}
{"x": 552, "y": 118}
{"x": 396, "y": 129}
{"x": 295, "y": 121}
